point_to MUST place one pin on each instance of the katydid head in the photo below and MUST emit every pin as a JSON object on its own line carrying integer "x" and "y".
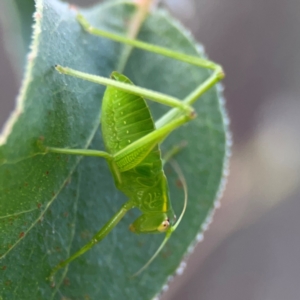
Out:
{"x": 157, "y": 213}
{"x": 154, "y": 222}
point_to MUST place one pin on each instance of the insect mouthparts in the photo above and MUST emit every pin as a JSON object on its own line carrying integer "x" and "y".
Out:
{"x": 193, "y": 114}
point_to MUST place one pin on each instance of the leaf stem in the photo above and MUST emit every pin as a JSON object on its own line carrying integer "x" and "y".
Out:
{"x": 143, "y": 7}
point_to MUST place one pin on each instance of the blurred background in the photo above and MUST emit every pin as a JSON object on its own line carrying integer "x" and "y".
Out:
{"x": 252, "y": 249}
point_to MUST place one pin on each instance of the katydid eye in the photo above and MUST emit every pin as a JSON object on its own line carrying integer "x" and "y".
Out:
{"x": 164, "y": 225}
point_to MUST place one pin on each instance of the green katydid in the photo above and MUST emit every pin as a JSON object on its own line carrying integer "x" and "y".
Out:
{"x": 132, "y": 141}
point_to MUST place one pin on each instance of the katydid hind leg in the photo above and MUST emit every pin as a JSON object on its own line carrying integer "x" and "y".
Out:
{"x": 191, "y": 59}
{"x": 217, "y": 74}
{"x": 129, "y": 88}
{"x": 178, "y": 105}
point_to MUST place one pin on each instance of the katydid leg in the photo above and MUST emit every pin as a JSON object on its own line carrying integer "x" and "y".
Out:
{"x": 215, "y": 77}
{"x": 173, "y": 151}
{"x": 100, "y": 235}
{"x": 194, "y": 60}
{"x": 82, "y": 152}
{"x": 88, "y": 152}
{"x": 132, "y": 89}
{"x": 150, "y": 141}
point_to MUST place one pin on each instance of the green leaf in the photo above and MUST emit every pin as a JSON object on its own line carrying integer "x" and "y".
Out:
{"x": 51, "y": 205}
